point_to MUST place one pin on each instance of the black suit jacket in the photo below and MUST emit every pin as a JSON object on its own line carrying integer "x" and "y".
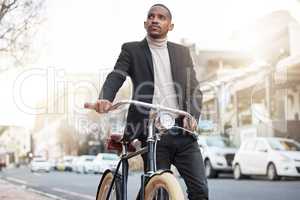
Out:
{"x": 135, "y": 61}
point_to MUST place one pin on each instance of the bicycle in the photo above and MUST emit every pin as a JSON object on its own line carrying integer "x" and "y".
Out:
{"x": 113, "y": 185}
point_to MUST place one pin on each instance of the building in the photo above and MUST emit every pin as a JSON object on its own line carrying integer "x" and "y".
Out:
{"x": 16, "y": 144}
{"x": 66, "y": 124}
{"x": 256, "y": 93}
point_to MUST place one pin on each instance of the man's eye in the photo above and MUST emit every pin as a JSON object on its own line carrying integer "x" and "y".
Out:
{"x": 162, "y": 17}
{"x": 150, "y": 16}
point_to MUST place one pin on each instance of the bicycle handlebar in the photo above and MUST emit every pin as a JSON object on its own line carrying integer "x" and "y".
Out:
{"x": 152, "y": 106}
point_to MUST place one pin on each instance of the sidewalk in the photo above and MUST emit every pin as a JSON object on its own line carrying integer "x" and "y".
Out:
{"x": 9, "y": 191}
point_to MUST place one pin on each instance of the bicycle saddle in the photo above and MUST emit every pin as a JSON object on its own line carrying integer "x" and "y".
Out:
{"x": 114, "y": 143}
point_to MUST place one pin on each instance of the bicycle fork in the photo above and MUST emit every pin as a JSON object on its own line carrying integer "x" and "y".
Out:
{"x": 151, "y": 157}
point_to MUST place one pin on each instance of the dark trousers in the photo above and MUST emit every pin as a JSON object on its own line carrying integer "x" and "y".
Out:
{"x": 183, "y": 152}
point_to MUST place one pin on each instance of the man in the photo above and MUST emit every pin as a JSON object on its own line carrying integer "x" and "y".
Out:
{"x": 162, "y": 73}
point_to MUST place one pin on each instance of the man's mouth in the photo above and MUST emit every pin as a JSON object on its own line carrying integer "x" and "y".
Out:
{"x": 154, "y": 28}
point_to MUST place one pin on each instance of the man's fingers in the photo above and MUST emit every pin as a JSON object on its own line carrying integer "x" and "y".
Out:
{"x": 101, "y": 106}
{"x": 190, "y": 124}
{"x": 107, "y": 106}
{"x": 97, "y": 107}
{"x": 186, "y": 123}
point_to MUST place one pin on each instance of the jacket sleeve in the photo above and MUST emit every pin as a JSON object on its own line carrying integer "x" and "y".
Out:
{"x": 193, "y": 92}
{"x": 116, "y": 78}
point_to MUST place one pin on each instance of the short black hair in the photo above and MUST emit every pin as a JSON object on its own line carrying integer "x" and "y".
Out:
{"x": 165, "y": 7}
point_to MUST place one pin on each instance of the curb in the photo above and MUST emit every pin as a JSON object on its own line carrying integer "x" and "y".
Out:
{"x": 52, "y": 196}
{"x": 28, "y": 188}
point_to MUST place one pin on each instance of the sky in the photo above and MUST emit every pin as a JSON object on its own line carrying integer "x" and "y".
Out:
{"x": 86, "y": 36}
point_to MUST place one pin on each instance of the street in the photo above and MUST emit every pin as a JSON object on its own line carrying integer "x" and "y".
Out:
{"x": 72, "y": 186}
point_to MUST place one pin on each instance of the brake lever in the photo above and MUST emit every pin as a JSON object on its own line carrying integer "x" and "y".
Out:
{"x": 184, "y": 129}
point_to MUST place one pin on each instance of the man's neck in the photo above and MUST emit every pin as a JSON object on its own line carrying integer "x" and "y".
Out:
{"x": 157, "y": 42}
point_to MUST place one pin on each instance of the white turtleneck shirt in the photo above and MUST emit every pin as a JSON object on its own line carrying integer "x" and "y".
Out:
{"x": 164, "y": 88}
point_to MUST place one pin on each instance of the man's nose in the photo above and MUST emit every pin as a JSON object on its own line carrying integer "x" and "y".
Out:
{"x": 154, "y": 21}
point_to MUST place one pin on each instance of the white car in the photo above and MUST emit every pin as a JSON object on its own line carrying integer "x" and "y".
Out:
{"x": 68, "y": 163}
{"x": 274, "y": 157}
{"x": 84, "y": 164}
{"x": 74, "y": 163}
{"x": 40, "y": 164}
{"x": 218, "y": 153}
{"x": 105, "y": 161}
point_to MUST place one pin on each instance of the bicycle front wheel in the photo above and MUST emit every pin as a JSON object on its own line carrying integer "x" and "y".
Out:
{"x": 104, "y": 186}
{"x": 166, "y": 182}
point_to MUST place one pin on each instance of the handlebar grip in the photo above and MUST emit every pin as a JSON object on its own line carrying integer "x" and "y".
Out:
{"x": 90, "y": 106}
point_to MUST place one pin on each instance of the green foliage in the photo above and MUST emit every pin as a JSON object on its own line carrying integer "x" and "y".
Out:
{"x": 2, "y": 129}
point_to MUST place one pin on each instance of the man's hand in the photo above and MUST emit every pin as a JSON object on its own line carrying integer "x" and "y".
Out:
{"x": 100, "y": 106}
{"x": 190, "y": 124}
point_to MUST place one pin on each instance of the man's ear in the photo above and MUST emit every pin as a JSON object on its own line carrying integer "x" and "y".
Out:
{"x": 171, "y": 26}
{"x": 145, "y": 25}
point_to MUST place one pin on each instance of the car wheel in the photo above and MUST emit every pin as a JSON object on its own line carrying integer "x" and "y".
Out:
{"x": 209, "y": 171}
{"x": 272, "y": 173}
{"x": 237, "y": 173}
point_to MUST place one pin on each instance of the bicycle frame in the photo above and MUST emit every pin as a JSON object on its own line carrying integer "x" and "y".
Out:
{"x": 150, "y": 149}
{"x": 125, "y": 168}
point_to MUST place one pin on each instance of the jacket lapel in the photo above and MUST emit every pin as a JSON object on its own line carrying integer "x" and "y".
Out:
{"x": 177, "y": 73}
{"x": 147, "y": 52}
{"x": 173, "y": 62}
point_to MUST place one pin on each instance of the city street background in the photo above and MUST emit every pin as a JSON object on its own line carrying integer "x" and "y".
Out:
{"x": 74, "y": 186}
{"x": 55, "y": 55}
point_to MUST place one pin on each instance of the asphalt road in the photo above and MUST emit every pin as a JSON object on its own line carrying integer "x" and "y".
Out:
{"x": 72, "y": 186}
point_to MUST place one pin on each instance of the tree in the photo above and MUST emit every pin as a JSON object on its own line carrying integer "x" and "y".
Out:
{"x": 19, "y": 21}
{"x": 68, "y": 138}
{"x": 3, "y": 129}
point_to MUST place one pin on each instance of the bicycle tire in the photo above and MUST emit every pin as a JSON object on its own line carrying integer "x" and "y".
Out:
{"x": 166, "y": 181}
{"x": 104, "y": 186}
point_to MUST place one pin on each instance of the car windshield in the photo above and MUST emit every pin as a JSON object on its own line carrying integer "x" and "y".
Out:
{"x": 284, "y": 145}
{"x": 110, "y": 157}
{"x": 219, "y": 142}
{"x": 39, "y": 160}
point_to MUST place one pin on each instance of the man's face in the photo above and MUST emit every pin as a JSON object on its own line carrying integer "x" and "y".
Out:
{"x": 158, "y": 22}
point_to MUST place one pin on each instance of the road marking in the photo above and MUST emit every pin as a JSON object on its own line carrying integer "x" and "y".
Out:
{"x": 36, "y": 174}
{"x": 46, "y": 194}
{"x": 24, "y": 183}
{"x": 74, "y": 193}
{"x": 17, "y": 180}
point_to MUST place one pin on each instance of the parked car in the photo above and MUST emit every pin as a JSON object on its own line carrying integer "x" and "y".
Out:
{"x": 74, "y": 163}
{"x": 53, "y": 164}
{"x": 65, "y": 164}
{"x": 105, "y": 161}
{"x": 40, "y": 164}
{"x": 84, "y": 164}
{"x": 274, "y": 157}
{"x": 218, "y": 153}
{"x": 68, "y": 162}
{"x": 60, "y": 165}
